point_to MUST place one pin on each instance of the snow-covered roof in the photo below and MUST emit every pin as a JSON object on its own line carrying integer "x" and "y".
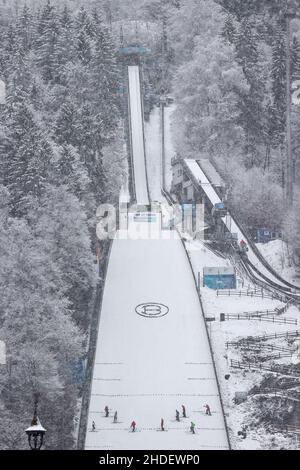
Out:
{"x": 219, "y": 270}
{"x": 36, "y": 427}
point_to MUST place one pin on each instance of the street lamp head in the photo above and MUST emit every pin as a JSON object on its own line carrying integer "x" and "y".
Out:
{"x": 35, "y": 433}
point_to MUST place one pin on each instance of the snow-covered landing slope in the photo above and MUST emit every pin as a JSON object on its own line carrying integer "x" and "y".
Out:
{"x": 146, "y": 368}
{"x": 137, "y": 136}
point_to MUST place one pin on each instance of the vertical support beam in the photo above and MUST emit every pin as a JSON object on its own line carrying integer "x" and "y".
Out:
{"x": 289, "y": 157}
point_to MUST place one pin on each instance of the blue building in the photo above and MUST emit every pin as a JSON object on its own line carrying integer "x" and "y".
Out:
{"x": 219, "y": 278}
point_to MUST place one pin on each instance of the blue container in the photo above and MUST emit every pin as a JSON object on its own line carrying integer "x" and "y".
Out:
{"x": 78, "y": 371}
{"x": 264, "y": 235}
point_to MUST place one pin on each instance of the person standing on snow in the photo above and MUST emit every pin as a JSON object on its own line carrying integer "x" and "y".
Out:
{"x": 133, "y": 426}
{"x": 207, "y": 410}
{"x": 106, "y": 412}
{"x": 116, "y": 417}
{"x": 183, "y": 411}
{"x": 162, "y": 425}
{"x": 93, "y": 426}
{"x": 192, "y": 428}
{"x": 177, "y": 416}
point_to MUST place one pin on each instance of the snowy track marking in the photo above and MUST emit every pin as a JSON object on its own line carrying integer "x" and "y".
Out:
{"x": 107, "y": 380}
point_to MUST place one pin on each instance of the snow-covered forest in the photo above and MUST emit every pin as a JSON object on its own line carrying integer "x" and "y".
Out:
{"x": 230, "y": 85}
{"x": 62, "y": 154}
{"x": 60, "y": 117}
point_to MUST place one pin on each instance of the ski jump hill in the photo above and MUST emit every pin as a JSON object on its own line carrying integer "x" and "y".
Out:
{"x": 153, "y": 352}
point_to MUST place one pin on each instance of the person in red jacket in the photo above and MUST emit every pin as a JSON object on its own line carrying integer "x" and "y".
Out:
{"x": 133, "y": 426}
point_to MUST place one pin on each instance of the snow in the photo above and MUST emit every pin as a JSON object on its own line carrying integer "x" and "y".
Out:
{"x": 146, "y": 368}
{"x": 137, "y": 136}
{"x": 233, "y": 330}
{"x": 277, "y": 255}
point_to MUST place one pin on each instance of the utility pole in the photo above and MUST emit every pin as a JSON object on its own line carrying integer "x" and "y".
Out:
{"x": 290, "y": 14}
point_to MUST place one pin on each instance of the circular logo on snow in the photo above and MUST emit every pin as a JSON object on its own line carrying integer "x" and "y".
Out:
{"x": 152, "y": 310}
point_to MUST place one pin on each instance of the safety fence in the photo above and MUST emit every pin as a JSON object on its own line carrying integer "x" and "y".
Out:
{"x": 278, "y": 369}
{"x": 287, "y": 430}
{"x": 276, "y": 394}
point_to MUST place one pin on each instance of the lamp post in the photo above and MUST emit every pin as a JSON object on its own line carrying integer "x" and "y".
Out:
{"x": 35, "y": 432}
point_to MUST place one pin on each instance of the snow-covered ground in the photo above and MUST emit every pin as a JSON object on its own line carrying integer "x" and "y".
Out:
{"x": 146, "y": 368}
